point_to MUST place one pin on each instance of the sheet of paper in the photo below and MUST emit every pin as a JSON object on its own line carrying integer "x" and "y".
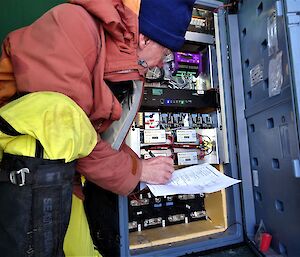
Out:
{"x": 202, "y": 178}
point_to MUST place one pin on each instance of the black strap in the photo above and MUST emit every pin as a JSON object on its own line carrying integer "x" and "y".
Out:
{"x": 6, "y": 128}
{"x": 39, "y": 149}
{"x": 4, "y": 176}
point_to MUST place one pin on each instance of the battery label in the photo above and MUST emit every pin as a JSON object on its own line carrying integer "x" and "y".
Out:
{"x": 186, "y": 135}
{"x": 154, "y": 136}
{"x": 147, "y": 156}
{"x": 187, "y": 158}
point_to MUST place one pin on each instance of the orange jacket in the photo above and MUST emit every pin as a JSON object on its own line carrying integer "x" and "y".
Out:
{"x": 73, "y": 49}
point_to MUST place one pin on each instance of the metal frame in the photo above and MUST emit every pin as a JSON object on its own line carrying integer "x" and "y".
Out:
{"x": 234, "y": 233}
{"x": 293, "y": 26}
{"x": 241, "y": 127}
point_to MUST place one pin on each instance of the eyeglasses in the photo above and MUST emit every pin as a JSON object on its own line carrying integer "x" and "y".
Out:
{"x": 168, "y": 56}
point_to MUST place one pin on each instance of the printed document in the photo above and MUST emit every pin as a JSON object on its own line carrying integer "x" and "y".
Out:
{"x": 202, "y": 178}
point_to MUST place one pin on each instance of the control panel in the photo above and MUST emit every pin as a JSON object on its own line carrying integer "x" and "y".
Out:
{"x": 179, "y": 98}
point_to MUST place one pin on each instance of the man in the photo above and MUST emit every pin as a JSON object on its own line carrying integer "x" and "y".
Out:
{"x": 78, "y": 48}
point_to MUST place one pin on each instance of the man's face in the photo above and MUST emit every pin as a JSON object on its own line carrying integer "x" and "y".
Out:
{"x": 152, "y": 53}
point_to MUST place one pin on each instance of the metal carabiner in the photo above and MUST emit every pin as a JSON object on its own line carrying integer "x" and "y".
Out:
{"x": 18, "y": 177}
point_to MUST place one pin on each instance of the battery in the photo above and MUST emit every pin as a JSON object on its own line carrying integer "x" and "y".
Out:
{"x": 154, "y": 136}
{"x": 186, "y": 136}
{"x": 187, "y": 158}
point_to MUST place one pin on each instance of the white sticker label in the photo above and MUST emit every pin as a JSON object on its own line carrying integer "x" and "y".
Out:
{"x": 255, "y": 178}
{"x": 256, "y": 74}
{"x": 186, "y": 135}
{"x": 272, "y": 33}
{"x": 275, "y": 75}
{"x": 151, "y": 120}
{"x": 186, "y": 122}
{"x": 187, "y": 158}
{"x": 154, "y": 136}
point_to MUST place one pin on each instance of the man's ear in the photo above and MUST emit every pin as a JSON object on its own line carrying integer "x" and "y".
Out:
{"x": 143, "y": 41}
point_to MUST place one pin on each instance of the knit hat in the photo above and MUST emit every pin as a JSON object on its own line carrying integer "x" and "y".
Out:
{"x": 165, "y": 21}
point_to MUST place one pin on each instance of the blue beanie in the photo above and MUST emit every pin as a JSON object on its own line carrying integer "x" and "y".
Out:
{"x": 165, "y": 21}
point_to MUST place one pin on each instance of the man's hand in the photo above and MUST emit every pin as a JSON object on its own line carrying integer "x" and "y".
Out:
{"x": 157, "y": 170}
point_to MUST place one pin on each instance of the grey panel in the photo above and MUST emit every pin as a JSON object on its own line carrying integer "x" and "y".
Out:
{"x": 277, "y": 194}
{"x": 293, "y": 5}
{"x": 272, "y": 134}
{"x": 253, "y": 25}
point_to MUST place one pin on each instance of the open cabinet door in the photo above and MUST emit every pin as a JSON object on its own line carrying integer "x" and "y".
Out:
{"x": 265, "y": 89}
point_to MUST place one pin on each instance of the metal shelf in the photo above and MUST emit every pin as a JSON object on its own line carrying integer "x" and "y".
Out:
{"x": 200, "y": 37}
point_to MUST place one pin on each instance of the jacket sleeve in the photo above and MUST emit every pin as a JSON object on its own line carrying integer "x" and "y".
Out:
{"x": 7, "y": 80}
{"x": 116, "y": 171}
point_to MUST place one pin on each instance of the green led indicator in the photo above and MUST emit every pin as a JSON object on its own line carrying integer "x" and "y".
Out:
{"x": 157, "y": 91}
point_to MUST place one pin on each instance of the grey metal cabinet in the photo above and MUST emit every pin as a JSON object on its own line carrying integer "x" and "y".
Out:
{"x": 257, "y": 55}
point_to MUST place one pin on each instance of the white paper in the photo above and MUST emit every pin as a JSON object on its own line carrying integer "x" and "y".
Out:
{"x": 202, "y": 178}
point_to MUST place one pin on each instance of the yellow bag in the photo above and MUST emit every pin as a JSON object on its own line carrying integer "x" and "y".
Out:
{"x": 61, "y": 126}
{"x": 65, "y": 132}
{"x": 78, "y": 241}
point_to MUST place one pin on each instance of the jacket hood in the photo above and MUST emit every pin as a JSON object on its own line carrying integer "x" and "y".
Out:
{"x": 73, "y": 49}
{"x": 119, "y": 23}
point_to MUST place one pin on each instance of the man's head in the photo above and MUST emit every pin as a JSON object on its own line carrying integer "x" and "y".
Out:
{"x": 162, "y": 26}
